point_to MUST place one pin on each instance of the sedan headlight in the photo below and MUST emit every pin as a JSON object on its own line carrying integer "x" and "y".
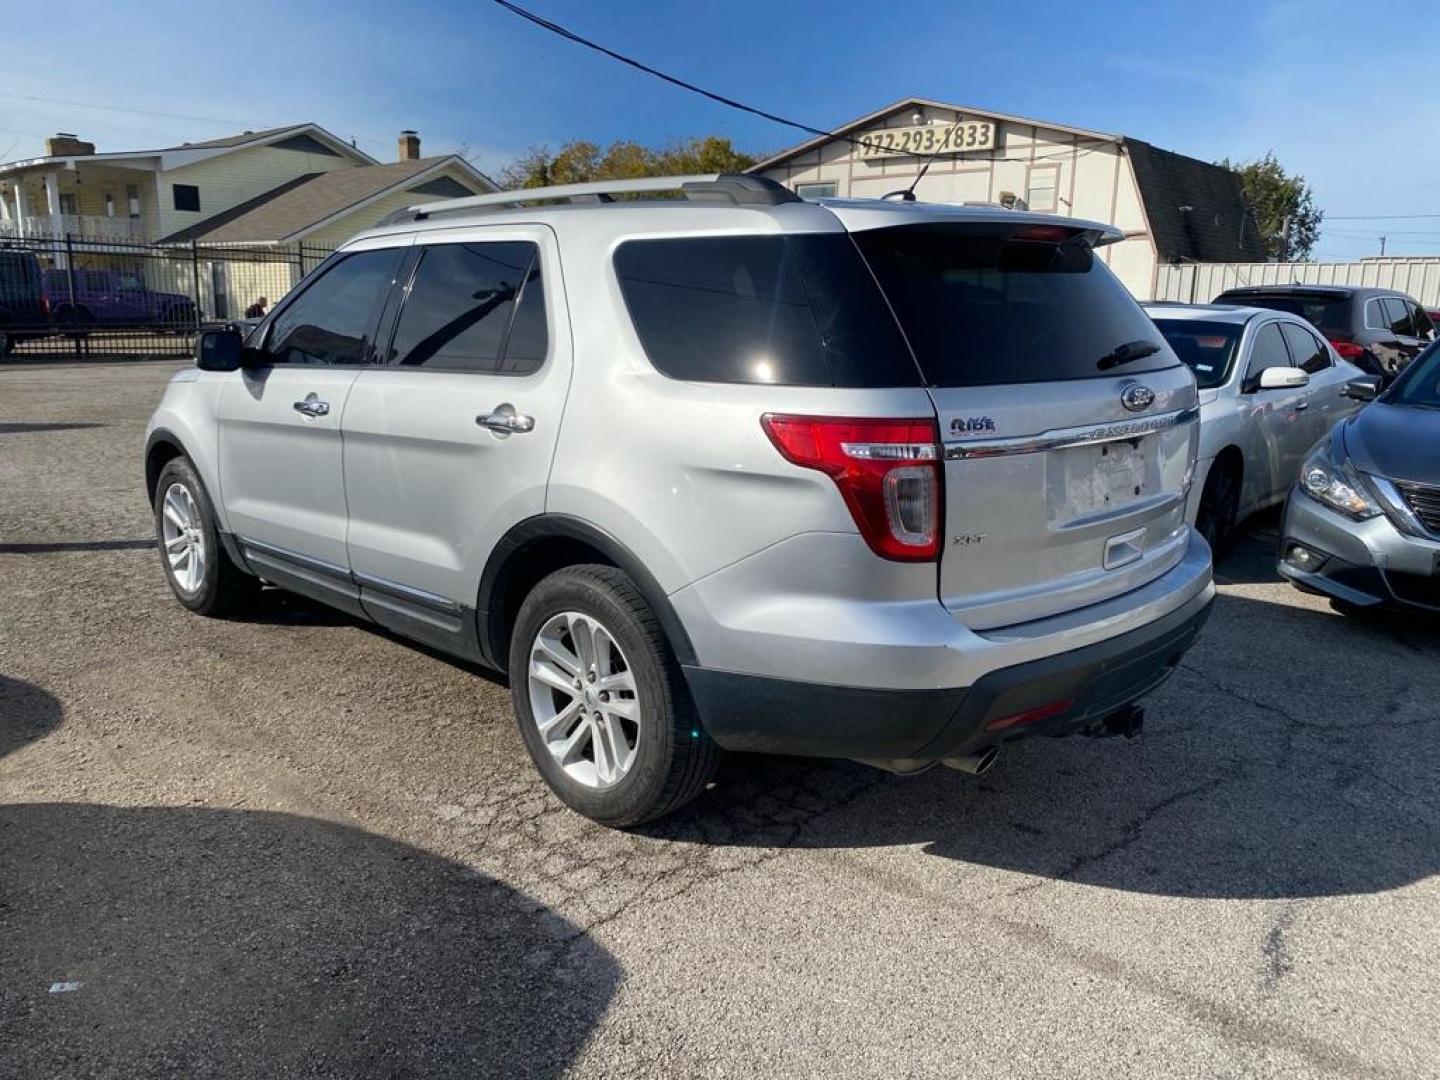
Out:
{"x": 1337, "y": 485}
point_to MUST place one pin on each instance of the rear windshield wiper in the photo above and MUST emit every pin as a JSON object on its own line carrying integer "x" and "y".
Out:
{"x": 1123, "y": 354}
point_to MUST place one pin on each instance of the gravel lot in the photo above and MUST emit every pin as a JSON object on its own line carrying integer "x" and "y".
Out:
{"x": 293, "y": 845}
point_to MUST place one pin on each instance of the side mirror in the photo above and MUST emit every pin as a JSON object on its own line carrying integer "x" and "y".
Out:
{"x": 1365, "y": 388}
{"x": 1283, "y": 378}
{"x": 219, "y": 350}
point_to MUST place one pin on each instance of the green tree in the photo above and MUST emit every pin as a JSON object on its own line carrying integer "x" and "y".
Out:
{"x": 1277, "y": 197}
{"x": 579, "y": 161}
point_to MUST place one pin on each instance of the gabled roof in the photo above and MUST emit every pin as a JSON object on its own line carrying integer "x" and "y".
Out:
{"x": 170, "y": 157}
{"x": 910, "y": 103}
{"x": 304, "y": 204}
{"x": 1197, "y": 211}
{"x": 245, "y": 138}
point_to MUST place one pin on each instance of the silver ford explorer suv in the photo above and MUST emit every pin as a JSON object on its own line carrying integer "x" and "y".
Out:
{"x": 725, "y": 471}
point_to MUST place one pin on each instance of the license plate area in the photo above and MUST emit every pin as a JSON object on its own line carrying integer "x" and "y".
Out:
{"x": 1105, "y": 477}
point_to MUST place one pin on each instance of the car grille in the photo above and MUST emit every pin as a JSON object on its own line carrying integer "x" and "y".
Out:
{"x": 1424, "y": 499}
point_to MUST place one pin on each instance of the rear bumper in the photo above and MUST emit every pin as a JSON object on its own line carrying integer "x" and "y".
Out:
{"x": 774, "y": 715}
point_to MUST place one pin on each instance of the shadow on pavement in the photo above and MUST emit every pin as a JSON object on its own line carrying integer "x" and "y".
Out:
{"x": 1253, "y": 552}
{"x": 67, "y": 546}
{"x": 17, "y": 427}
{"x": 1292, "y": 756}
{"x": 27, "y": 713}
{"x": 241, "y": 943}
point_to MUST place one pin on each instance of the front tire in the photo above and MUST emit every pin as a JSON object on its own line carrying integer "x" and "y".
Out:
{"x": 200, "y": 573}
{"x": 602, "y": 705}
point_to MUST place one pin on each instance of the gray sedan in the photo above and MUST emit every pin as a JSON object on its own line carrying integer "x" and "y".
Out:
{"x": 1363, "y": 524}
{"x": 1270, "y": 388}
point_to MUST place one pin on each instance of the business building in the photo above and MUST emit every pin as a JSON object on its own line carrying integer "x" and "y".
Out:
{"x": 1172, "y": 208}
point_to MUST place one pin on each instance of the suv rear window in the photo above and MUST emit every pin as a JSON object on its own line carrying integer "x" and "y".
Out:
{"x": 1330, "y": 313}
{"x": 983, "y": 306}
{"x": 792, "y": 309}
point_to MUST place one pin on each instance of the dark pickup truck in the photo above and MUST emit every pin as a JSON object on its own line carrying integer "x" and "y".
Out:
{"x": 84, "y": 299}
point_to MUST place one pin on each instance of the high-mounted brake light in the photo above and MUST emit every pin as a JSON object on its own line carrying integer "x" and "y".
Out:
{"x": 1049, "y": 234}
{"x": 888, "y": 472}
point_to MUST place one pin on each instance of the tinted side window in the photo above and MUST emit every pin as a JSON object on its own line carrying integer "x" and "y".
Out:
{"x": 1397, "y": 316}
{"x": 1267, "y": 351}
{"x": 1421, "y": 321}
{"x": 462, "y": 302}
{"x": 797, "y": 310}
{"x": 1375, "y": 318}
{"x": 1306, "y": 350}
{"x": 332, "y": 320}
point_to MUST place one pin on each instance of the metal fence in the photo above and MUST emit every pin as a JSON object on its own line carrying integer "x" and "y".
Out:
{"x": 93, "y": 298}
{"x": 1201, "y": 282}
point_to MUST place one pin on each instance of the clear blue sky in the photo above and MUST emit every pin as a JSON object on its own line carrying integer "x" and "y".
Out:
{"x": 1350, "y": 99}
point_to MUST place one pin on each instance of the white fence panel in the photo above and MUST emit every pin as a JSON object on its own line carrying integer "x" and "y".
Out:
{"x": 1199, "y": 283}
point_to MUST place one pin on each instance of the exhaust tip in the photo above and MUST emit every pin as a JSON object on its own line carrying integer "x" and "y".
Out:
{"x": 976, "y": 764}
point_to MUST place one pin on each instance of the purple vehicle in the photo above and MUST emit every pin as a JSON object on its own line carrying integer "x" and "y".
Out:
{"x": 103, "y": 298}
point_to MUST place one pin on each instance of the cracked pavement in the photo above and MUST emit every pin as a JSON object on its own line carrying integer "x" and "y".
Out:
{"x": 292, "y": 845}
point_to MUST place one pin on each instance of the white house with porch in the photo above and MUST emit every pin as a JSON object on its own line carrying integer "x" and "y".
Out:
{"x": 149, "y": 196}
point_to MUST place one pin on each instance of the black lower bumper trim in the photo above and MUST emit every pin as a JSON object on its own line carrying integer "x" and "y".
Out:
{"x": 784, "y": 716}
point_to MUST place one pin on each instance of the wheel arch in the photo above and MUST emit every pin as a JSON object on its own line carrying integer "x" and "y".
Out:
{"x": 539, "y": 546}
{"x": 161, "y": 447}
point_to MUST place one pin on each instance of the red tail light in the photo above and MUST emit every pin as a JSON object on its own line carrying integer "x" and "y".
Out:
{"x": 888, "y": 472}
{"x": 1348, "y": 350}
{"x": 45, "y": 306}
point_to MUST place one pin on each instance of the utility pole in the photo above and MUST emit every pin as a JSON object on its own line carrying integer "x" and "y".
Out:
{"x": 1285, "y": 240}
{"x": 1382, "y": 247}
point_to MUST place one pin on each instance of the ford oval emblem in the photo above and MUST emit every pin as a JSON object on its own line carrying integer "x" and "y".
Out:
{"x": 1137, "y": 398}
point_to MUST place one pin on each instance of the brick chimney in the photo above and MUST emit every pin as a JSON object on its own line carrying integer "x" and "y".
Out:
{"x": 409, "y": 146}
{"x": 64, "y": 144}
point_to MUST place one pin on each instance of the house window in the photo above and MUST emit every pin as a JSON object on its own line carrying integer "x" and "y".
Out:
{"x": 109, "y": 205}
{"x": 187, "y": 196}
{"x": 1042, "y": 188}
{"x": 132, "y": 197}
{"x": 817, "y": 191}
{"x": 67, "y": 204}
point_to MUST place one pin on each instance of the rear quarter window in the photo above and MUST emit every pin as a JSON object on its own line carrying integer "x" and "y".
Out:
{"x": 792, "y": 310}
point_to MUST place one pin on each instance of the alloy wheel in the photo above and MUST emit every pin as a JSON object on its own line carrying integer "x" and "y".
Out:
{"x": 184, "y": 537}
{"x": 583, "y": 699}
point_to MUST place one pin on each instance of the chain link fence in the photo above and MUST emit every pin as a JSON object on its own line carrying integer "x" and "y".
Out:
{"x": 89, "y": 298}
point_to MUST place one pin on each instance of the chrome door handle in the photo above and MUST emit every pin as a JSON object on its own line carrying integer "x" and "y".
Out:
{"x": 506, "y": 421}
{"x": 312, "y": 406}
{"x": 1301, "y": 406}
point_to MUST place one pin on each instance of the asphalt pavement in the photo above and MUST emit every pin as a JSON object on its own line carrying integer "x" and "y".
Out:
{"x": 291, "y": 845}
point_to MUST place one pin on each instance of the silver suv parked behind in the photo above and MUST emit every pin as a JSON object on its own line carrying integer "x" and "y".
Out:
{"x": 877, "y": 480}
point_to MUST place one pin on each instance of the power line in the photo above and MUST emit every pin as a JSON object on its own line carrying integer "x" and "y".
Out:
{"x": 1375, "y": 217}
{"x": 673, "y": 80}
{"x": 121, "y": 109}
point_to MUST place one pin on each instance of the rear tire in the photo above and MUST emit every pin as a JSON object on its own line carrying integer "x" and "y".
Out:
{"x": 581, "y": 630}
{"x": 1219, "y": 507}
{"x": 206, "y": 581}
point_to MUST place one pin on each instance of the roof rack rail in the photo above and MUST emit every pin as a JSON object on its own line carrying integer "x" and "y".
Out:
{"x": 732, "y": 189}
